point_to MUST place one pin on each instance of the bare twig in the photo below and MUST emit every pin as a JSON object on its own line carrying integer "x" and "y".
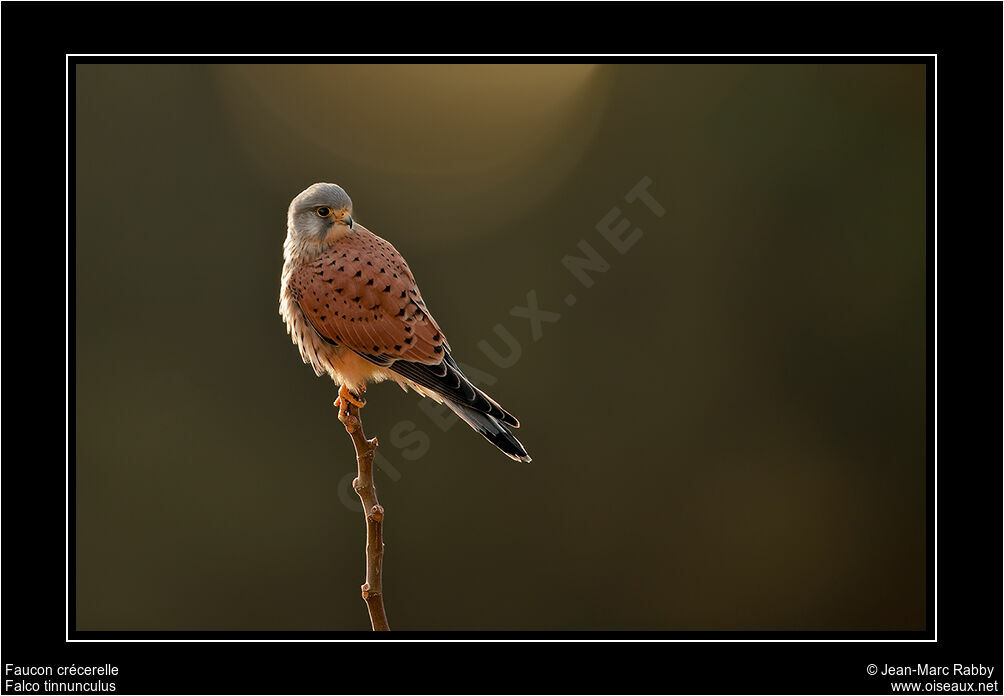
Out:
{"x": 372, "y": 589}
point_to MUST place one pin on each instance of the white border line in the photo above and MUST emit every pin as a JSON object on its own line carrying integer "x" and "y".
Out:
{"x": 66, "y": 384}
{"x": 933, "y": 172}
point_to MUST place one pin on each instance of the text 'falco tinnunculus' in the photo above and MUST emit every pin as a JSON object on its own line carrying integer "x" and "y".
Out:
{"x": 352, "y": 306}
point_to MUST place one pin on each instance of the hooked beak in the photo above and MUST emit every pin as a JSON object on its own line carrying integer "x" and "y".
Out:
{"x": 348, "y": 220}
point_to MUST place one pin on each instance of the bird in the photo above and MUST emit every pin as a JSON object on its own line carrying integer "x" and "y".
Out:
{"x": 352, "y": 306}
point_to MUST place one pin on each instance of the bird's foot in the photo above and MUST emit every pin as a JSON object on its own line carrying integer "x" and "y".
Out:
{"x": 346, "y": 398}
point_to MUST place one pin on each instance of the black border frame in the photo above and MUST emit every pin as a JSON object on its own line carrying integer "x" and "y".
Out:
{"x": 965, "y": 37}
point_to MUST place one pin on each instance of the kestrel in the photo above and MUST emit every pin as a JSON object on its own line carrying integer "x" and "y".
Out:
{"x": 351, "y": 305}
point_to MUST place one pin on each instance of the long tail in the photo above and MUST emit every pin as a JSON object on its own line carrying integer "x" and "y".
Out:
{"x": 492, "y": 430}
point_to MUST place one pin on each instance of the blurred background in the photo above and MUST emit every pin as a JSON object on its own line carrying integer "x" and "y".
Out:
{"x": 727, "y": 426}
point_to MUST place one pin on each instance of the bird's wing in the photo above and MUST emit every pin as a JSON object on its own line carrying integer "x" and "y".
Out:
{"x": 362, "y": 295}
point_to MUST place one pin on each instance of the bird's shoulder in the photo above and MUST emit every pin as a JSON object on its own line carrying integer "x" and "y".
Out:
{"x": 363, "y": 248}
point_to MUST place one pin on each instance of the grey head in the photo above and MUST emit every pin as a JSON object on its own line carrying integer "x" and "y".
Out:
{"x": 318, "y": 210}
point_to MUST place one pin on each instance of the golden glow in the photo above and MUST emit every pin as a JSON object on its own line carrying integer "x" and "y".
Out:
{"x": 457, "y": 136}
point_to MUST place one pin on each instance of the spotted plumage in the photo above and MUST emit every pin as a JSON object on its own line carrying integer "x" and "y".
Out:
{"x": 352, "y": 306}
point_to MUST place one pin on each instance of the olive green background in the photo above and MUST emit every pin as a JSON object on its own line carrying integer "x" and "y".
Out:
{"x": 728, "y": 427}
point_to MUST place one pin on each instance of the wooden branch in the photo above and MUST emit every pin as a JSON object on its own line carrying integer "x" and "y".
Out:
{"x": 372, "y": 589}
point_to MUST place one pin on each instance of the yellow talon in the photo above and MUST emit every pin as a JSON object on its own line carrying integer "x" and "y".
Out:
{"x": 344, "y": 395}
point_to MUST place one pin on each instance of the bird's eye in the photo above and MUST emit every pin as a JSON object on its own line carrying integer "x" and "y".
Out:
{"x": 324, "y": 212}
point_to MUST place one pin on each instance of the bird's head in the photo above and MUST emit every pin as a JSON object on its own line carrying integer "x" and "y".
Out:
{"x": 321, "y": 213}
